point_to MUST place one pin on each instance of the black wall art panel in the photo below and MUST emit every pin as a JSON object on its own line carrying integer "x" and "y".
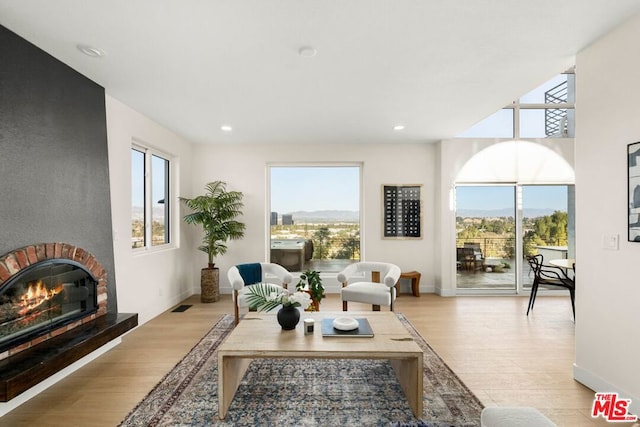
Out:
{"x": 402, "y": 211}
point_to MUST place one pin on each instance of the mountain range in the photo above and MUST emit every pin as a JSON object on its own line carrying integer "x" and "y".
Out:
{"x": 323, "y": 216}
{"x": 504, "y": 212}
{"x": 354, "y": 216}
{"x": 137, "y": 213}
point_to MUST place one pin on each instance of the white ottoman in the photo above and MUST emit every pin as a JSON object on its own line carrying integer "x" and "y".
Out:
{"x": 514, "y": 416}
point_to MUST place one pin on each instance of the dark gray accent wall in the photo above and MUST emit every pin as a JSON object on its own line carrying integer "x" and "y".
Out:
{"x": 54, "y": 171}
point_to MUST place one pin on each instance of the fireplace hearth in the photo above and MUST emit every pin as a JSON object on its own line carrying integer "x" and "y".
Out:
{"x": 53, "y": 312}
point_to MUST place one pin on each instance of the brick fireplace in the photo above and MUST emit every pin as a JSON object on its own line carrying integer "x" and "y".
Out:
{"x": 39, "y": 260}
{"x": 53, "y": 312}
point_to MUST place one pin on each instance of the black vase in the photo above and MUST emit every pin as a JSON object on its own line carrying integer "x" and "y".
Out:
{"x": 288, "y": 318}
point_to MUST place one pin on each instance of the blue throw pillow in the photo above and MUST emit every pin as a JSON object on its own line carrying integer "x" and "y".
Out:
{"x": 251, "y": 273}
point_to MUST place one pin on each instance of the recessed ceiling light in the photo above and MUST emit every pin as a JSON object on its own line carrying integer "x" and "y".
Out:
{"x": 398, "y": 127}
{"x": 91, "y": 51}
{"x": 307, "y": 52}
{"x": 226, "y": 128}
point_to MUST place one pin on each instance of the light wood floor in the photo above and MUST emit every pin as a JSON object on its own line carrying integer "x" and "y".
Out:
{"x": 504, "y": 357}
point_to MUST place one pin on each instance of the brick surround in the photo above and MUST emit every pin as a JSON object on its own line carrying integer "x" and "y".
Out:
{"x": 14, "y": 261}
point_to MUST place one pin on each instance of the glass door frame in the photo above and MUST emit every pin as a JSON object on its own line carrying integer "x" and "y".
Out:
{"x": 485, "y": 290}
{"x": 519, "y": 262}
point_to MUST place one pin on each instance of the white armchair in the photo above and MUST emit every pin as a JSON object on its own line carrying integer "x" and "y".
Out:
{"x": 242, "y": 276}
{"x": 361, "y": 283}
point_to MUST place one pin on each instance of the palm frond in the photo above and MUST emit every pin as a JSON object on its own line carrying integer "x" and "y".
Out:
{"x": 216, "y": 211}
{"x": 258, "y": 296}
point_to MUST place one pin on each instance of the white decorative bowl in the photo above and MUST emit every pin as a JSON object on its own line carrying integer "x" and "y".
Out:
{"x": 345, "y": 323}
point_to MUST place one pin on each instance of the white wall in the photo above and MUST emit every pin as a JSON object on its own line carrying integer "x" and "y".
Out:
{"x": 244, "y": 168}
{"x": 146, "y": 283}
{"x": 607, "y": 288}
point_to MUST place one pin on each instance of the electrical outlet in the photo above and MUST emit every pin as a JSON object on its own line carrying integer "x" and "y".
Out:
{"x": 610, "y": 242}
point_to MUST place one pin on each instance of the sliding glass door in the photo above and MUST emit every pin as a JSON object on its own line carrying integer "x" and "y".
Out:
{"x": 485, "y": 237}
{"x": 497, "y": 226}
{"x": 545, "y": 224}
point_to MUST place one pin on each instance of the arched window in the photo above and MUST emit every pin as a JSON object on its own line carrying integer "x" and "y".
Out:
{"x": 521, "y": 162}
{"x": 512, "y": 199}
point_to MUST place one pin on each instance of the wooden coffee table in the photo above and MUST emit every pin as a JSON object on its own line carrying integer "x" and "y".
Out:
{"x": 258, "y": 335}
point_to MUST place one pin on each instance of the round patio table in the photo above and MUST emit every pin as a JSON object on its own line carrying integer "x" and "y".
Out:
{"x": 565, "y": 263}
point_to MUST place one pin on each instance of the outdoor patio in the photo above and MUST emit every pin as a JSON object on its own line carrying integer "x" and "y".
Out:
{"x": 495, "y": 280}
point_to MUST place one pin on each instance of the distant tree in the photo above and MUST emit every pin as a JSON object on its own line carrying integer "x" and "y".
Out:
{"x": 469, "y": 232}
{"x": 321, "y": 243}
{"x": 552, "y": 229}
{"x": 530, "y": 241}
{"x": 549, "y": 230}
{"x": 508, "y": 248}
{"x": 350, "y": 248}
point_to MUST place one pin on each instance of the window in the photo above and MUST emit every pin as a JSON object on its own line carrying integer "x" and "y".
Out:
{"x": 314, "y": 216}
{"x": 497, "y": 125}
{"x": 150, "y": 207}
{"x": 515, "y": 198}
{"x": 545, "y": 112}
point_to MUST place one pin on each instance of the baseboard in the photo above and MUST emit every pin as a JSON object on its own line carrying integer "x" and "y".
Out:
{"x": 149, "y": 312}
{"x": 445, "y": 292}
{"x": 594, "y": 382}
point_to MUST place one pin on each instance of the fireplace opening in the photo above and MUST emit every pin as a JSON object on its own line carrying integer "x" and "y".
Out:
{"x": 43, "y": 297}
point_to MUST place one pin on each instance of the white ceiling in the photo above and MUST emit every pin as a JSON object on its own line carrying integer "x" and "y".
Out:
{"x": 436, "y": 66}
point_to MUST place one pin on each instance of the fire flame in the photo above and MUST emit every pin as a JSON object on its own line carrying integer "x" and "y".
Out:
{"x": 37, "y": 294}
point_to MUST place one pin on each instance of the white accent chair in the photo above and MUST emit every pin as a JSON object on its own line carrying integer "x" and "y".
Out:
{"x": 361, "y": 283}
{"x": 262, "y": 272}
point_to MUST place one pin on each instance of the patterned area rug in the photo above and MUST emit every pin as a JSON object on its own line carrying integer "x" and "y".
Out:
{"x": 300, "y": 392}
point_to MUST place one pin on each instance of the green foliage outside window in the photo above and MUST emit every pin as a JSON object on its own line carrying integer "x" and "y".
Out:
{"x": 496, "y": 234}
{"x": 550, "y": 230}
{"x": 321, "y": 242}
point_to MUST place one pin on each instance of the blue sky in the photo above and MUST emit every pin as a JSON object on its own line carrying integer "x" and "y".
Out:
{"x": 497, "y": 197}
{"x": 532, "y": 122}
{"x": 314, "y": 188}
{"x": 137, "y": 178}
{"x": 336, "y": 188}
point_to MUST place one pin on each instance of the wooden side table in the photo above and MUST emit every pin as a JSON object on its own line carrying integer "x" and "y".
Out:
{"x": 415, "y": 282}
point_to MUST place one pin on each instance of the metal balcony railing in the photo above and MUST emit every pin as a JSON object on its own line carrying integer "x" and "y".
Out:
{"x": 492, "y": 247}
{"x": 336, "y": 248}
{"x": 555, "y": 119}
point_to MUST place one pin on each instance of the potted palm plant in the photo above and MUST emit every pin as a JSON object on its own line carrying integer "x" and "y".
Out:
{"x": 216, "y": 211}
{"x": 311, "y": 282}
